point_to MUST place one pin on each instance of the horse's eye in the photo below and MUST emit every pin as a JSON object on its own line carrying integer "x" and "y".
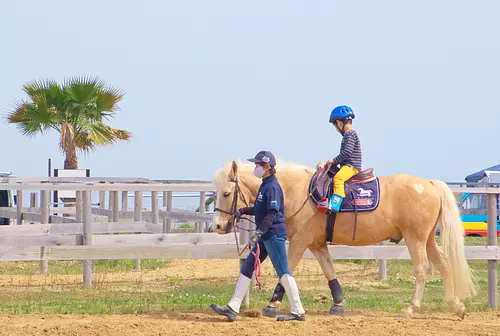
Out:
{"x": 226, "y": 194}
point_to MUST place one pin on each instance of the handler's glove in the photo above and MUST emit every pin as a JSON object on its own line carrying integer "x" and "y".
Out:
{"x": 237, "y": 215}
{"x": 253, "y": 240}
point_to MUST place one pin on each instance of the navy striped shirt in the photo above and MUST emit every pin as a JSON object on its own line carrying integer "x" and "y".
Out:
{"x": 350, "y": 151}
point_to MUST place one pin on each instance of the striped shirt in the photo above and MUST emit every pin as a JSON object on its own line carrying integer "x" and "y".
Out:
{"x": 350, "y": 151}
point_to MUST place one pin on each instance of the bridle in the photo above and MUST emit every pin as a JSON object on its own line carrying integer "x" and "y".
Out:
{"x": 237, "y": 194}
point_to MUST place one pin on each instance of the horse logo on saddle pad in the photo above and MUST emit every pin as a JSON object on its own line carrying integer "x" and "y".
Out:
{"x": 362, "y": 190}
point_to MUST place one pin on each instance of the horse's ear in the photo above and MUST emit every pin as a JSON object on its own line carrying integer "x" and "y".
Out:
{"x": 320, "y": 164}
{"x": 234, "y": 171}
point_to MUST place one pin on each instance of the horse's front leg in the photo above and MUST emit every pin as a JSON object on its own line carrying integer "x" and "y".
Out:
{"x": 326, "y": 263}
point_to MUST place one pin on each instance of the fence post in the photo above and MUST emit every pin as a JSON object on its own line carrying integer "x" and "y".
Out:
{"x": 492, "y": 241}
{"x": 137, "y": 218}
{"x": 115, "y": 207}
{"x": 102, "y": 199}
{"x": 382, "y": 265}
{"x": 19, "y": 197}
{"x": 124, "y": 200}
{"x": 44, "y": 211}
{"x": 155, "y": 218}
{"x": 87, "y": 236}
{"x": 167, "y": 202}
{"x": 200, "y": 224}
{"x": 33, "y": 203}
{"x": 78, "y": 206}
{"x": 111, "y": 198}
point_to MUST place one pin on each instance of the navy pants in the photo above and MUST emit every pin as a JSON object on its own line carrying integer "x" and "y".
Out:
{"x": 274, "y": 247}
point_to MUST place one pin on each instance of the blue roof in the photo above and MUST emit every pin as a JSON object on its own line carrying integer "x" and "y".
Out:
{"x": 480, "y": 174}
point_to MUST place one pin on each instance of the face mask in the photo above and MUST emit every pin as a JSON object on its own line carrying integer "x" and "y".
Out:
{"x": 259, "y": 171}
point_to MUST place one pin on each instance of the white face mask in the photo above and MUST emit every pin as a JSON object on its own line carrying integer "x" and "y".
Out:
{"x": 259, "y": 171}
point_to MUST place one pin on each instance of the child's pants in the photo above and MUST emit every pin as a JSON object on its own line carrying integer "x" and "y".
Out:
{"x": 345, "y": 173}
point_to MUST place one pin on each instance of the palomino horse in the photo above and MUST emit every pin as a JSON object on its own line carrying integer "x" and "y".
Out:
{"x": 409, "y": 208}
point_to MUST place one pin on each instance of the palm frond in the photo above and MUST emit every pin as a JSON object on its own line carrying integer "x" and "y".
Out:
{"x": 84, "y": 143}
{"x": 122, "y": 134}
{"x": 107, "y": 103}
{"x": 37, "y": 87}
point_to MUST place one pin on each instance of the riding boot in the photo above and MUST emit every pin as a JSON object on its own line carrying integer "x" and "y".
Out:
{"x": 233, "y": 307}
{"x": 335, "y": 203}
{"x": 297, "y": 312}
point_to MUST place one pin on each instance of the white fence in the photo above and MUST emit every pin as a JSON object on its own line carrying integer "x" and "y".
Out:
{"x": 149, "y": 237}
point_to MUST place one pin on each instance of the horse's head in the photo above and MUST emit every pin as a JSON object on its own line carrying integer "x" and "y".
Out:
{"x": 234, "y": 189}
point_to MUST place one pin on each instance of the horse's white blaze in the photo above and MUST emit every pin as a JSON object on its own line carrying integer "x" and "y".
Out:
{"x": 418, "y": 188}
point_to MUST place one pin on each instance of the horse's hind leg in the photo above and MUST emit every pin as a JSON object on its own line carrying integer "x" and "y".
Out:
{"x": 418, "y": 255}
{"x": 435, "y": 256}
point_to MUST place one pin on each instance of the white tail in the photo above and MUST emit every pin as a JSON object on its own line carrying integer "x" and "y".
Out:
{"x": 452, "y": 242}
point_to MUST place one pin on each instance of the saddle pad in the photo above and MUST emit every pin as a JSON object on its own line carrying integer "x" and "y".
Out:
{"x": 364, "y": 196}
{"x": 360, "y": 196}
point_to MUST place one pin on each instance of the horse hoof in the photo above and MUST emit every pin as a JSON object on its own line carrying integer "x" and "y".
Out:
{"x": 336, "y": 311}
{"x": 460, "y": 311}
{"x": 269, "y": 311}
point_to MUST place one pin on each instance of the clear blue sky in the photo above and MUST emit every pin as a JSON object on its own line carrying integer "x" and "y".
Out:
{"x": 209, "y": 81}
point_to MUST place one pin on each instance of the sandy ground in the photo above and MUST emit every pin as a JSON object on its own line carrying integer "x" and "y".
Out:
{"x": 207, "y": 323}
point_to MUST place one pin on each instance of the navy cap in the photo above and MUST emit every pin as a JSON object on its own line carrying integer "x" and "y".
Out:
{"x": 264, "y": 157}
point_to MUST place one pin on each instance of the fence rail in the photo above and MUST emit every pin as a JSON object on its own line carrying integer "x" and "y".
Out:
{"x": 150, "y": 235}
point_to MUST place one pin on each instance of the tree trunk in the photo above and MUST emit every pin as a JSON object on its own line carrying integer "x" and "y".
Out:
{"x": 70, "y": 162}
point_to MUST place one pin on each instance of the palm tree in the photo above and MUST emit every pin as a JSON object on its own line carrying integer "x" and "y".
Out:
{"x": 76, "y": 109}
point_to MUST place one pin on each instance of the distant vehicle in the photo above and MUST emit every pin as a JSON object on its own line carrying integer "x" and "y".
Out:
{"x": 6, "y": 200}
{"x": 476, "y": 225}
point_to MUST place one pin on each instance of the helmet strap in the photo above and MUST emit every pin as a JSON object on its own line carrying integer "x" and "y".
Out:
{"x": 341, "y": 131}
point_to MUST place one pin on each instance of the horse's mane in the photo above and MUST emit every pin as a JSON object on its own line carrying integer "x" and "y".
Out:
{"x": 221, "y": 175}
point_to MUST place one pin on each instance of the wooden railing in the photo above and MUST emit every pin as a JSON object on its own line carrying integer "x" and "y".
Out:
{"x": 149, "y": 235}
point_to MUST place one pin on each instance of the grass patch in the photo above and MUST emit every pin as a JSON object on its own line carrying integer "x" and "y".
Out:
{"x": 172, "y": 292}
{"x": 75, "y": 267}
{"x": 180, "y": 294}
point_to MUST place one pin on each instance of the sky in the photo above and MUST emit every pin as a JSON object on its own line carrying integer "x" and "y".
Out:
{"x": 207, "y": 82}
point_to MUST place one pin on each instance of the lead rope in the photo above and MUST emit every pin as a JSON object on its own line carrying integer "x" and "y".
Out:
{"x": 256, "y": 254}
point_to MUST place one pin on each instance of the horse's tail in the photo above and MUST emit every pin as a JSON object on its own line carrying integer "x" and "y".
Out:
{"x": 452, "y": 241}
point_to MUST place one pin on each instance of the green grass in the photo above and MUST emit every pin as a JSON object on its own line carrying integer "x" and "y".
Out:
{"x": 175, "y": 293}
{"x": 75, "y": 267}
{"x": 183, "y": 295}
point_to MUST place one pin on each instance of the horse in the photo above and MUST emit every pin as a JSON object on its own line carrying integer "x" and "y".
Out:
{"x": 409, "y": 208}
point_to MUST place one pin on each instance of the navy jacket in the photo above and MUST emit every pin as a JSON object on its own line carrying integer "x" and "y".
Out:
{"x": 269, "y": 208}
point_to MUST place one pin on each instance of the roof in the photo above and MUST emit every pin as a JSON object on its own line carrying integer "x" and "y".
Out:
{"x": 4, "y": 174}
{"x": 475, "y": 177}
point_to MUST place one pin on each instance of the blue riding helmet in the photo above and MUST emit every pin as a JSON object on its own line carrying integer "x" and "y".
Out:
{"x": 341, "y": 113}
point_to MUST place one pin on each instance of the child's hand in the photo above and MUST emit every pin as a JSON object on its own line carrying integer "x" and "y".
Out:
{"x": 329, "y": 162}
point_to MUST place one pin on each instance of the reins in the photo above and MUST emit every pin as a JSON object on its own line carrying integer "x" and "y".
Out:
{"x": 231, "y": 223}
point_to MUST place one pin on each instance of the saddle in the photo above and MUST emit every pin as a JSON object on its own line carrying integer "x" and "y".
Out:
{"x": 362, "y": 194}
{"x": 363, "y": 176}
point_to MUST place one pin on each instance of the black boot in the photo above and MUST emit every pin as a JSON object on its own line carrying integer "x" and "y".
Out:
{"x": 292, "y": 317}
{"x": 226, "y": 311}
